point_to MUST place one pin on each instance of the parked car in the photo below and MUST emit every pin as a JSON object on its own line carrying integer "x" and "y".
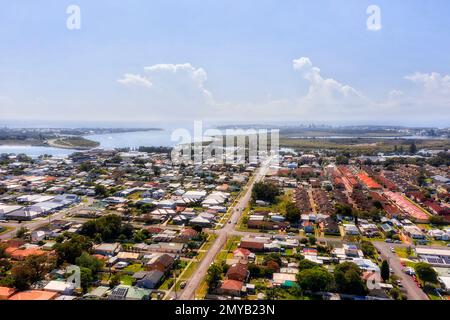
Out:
{"x": 183, "y": 285}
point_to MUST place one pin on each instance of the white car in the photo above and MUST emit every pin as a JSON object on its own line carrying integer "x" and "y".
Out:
{"x": 409, "y": 271}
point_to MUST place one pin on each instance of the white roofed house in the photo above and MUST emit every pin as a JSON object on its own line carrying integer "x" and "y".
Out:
{"x": 203, "y": 219}
{"x": 37, "y": 236}
{"x": 107, "y": 249}
{"x": 166, "y": 204}
{"x": 216, "y": 198}
{"x": 195, "y": 195}
{"x": 25, "y": 214}
{"x": 61, "y": 287}
{"x": 6, "y": 209}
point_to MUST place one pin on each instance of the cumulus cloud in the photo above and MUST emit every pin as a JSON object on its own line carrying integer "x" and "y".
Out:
{"x": 327, "y": 97}
{"x": 176, "y": 88}
{"x": 431, "y": 82}
{"x": 135, "y": 79}
{"x": 181, "y": 90}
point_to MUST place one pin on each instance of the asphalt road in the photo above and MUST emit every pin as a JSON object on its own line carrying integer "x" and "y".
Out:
{"x": 194, "y": 282}
{"x": 35, "y": 224}
{"x": 412, "y": 291}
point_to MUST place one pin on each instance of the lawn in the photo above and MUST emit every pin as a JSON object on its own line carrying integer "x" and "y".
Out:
{"x": 402, "y": 252}
{"x": 5, "y": 229}
{"x": 134, "y": 268}
{"x": 127, "y": 280}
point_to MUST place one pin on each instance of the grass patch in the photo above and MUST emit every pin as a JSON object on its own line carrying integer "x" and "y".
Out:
{"x": 403, "y": 252}
{"x": 134, "y": 268}
{"x": 126, "y": 280}
{"x": 5, "y": 229}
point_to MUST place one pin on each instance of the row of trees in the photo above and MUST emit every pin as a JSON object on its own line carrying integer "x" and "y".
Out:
{"x": 346, "y": 278}
{"x": 107, "y": 228}
{"x": 265, "y": 191}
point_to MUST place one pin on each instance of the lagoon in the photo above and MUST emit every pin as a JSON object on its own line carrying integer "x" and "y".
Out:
{"x": 107, "y": 141}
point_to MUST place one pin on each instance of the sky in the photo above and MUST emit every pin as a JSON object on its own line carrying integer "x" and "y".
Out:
{"x": 142, "y": 61}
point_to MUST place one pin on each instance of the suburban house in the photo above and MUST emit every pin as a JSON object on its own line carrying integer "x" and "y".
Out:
{"x": 238, "y": 271}
{"x": 150, "y": 279}
{"x": 231, "y": 288}
{"x": 160, "y": 261}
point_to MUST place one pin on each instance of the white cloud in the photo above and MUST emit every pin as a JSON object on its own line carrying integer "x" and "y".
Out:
{"x": 431, "y": 82}
{"x": 135, "y": 79}
{"x": 327, "y": 97}
{"x": 180, "y": 91}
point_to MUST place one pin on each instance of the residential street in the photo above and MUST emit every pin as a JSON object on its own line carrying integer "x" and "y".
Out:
{"x": 412, "y": 291}
{"x": 222, "y": 234}
{"x": 37, "y": 223}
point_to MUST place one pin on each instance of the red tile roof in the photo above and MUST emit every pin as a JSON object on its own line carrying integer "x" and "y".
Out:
{"x": 6, "y": 292}
{"x": 232, "y": 285}
{"x": 34, "y": 295}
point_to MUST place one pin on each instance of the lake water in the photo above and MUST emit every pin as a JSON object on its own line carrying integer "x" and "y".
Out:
{"x": 133, "y": 139}
{"x": 34, "y": 152}
{"x": 107, "y": 142}
{"x": 137, "y": 139}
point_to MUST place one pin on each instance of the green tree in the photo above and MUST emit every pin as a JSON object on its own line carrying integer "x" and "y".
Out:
{"x": 292, "y": 212}
{"x": 85, "y": 260}
{"x": 425, "y": 272}
{"x": 385, "y": 271}
{"x": 368, "y": 249}
{"x": 70, "y": 250}
{"x": 213, "y": 276}
{"x": 86, "y": 278}
{"x": 31, "y": 270}
{"x": 437, "y": 220}
{"x": 315, "y": 279}
{"x": 341, "y": 160}
{"x": 306, "y": 264}
{"x": 412, "y": 148}
{"x": 21, "y": 233}
{"x": 101, "y": 190}
{"x": 109, "y": 227}
{"x": 275, "y": 257}
{"x": 114, "y": 281}
{"x": 265, "y": 191}
{"x": 347, "y": 277}
{"x": 3, "y": 253}
{"x": 312, "y": 240}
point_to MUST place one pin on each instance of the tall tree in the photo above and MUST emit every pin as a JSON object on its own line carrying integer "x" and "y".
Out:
{"x": 348, "y": 279}
{"x": 385, "y": 271}
{"x": 315, "y": 279}
{"x": 213, "y": 276}
{"x": 413, "y": 148}
{"x": 425, "y": 272}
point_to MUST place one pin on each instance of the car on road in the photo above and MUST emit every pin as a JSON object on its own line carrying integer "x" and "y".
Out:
{"x": 409, "y": 271}
{"x": 183, "y": 285}
{"x": 392, "y": 250}
{"x": 388, "y": 241}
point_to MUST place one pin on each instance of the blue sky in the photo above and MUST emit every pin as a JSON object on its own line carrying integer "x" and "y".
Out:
{"x": 226, "y": 60}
